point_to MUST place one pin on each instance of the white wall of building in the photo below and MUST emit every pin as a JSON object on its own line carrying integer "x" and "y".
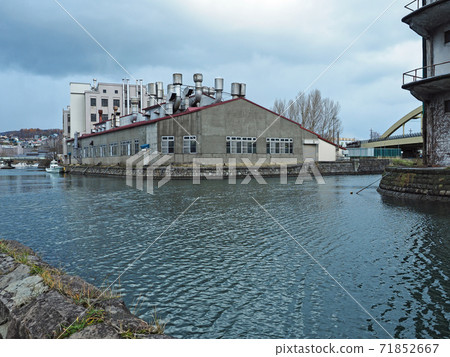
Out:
{"x": 441, "y": 50}
{"x": 327, "y": 151}
{"x": 78, "y": 107}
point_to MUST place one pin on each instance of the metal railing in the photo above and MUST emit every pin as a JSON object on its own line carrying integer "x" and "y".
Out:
{"x": 356, "y": 144}
{"x": 416, "y": 7}
{"x": 413, "y": 75}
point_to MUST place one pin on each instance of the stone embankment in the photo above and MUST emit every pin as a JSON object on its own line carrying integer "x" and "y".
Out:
{"x": 39, "y": 301}
{"x": 347, "y": 167}
{"x": 429, "y": 184}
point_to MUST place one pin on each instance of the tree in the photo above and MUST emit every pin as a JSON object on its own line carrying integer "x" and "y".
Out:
{"x": 313, "y": 112}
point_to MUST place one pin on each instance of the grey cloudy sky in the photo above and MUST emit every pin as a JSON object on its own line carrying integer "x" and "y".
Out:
{"x": 277, "y": 47}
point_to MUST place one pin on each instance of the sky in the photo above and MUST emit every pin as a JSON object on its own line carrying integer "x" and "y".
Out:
{"x": 278, "y": 48}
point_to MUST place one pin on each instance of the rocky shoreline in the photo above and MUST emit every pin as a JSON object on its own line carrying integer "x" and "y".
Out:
{"x": 39, "y": 301}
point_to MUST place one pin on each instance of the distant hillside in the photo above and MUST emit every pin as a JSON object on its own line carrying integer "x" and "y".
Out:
{"x": 30, "y": 133}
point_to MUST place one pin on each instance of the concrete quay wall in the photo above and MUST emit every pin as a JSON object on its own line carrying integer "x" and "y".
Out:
{"x": 326, "y": 168}
{"x": 429, "y": 184}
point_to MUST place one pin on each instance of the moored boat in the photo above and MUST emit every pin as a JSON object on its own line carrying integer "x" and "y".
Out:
{"x": 54, "y": 167}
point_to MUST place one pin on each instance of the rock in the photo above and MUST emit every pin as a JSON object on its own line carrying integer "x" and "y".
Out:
{"x": 96, "y": 331}
{"x": 43, "y": 317}
{"x": 31, "y": 309}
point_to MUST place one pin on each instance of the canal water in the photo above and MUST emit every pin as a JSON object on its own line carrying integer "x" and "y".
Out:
{"x": 245, "y": 261}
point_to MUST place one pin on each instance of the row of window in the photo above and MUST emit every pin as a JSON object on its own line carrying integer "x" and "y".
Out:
{"x": 234, "y": 145}
{"x": 116, "y": 102}
{"x": 279, "y": 145}
{"x": 189, "y": 144}
{"x": 126, "y": 148}
{"x": 105, "y": 102}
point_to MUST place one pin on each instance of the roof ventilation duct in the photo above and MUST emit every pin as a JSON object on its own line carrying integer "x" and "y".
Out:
{"x": 134, "y": 105}
{"x": 177, "y": 82}
{"x": 198, "y": 79}
{"x": 168, "y": 109}
{"x": 151, "y": 89}
{"x": 243, "y": 90}
{"x": 235, "y": 90}
{"x": 218, "y": 84}
{"x": 159, "y": 92}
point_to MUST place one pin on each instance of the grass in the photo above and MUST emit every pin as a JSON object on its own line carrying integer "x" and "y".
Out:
{"x": 20, "y": 257}
{"x": 407, "y": 162}
{"x": 157, "y": 328}
{"x": 91, "y": 317}
{"x": 85, "y": 297}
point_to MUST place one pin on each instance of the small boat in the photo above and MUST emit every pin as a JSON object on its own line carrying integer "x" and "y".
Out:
{"x": 6, "y": 165}
{"x": 54, "y": 167}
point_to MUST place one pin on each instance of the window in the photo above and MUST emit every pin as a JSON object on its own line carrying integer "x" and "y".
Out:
{"x": 93, "y": 102}
{"x": 104, "y": 117}
{"x": 113, "y": 149}
{"x": 86, "y": 152}
{"x": 125, "y": 148}
{"x": 93, "y": 117}
{"x": 189, "y": 144}
{"x": 102, "y": 151}
{"x": 116, "y": 91}
{"x": 116, "y": 103}
{"x": 447, "y": 106}
{"x": 104, "y": 90}
{"x": 167, "y": 144}
{"x": 104, "y": 102}
{"x": 446, "y": 36}
{"x": 279, "y": 146}
{"x": 239, "y": 145}
{"x": 136, "y": 146}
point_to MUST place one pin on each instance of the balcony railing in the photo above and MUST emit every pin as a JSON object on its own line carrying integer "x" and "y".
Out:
{"x": 418, "y": 73}
{"x": 413, "y": 5}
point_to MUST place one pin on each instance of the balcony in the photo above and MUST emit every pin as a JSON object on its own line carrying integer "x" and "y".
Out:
{"x": 423, "y": 19}
{"x": 434, "y": 70}
{"x": 426, "y": 81}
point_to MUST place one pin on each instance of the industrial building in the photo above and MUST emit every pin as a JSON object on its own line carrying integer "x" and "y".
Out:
{"x": 431, "y": 82}
{"x": 195, "y": 121}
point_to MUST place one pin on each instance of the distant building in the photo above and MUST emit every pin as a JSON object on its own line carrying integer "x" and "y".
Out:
{"x": 431, "y": 82}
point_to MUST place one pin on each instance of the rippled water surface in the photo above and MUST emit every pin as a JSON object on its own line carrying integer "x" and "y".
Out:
{"x": 226, "y": 269}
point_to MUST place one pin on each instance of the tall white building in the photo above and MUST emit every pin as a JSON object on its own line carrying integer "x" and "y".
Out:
{"x": 94, "y": 103}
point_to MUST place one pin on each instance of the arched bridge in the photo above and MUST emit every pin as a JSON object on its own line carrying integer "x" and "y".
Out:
{"x": 410, "y": 144}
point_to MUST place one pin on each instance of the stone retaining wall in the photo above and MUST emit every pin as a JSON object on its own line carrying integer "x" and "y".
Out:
{"x": 38, "y": 301}
{"x": 431, "y": 184}
{"x": 350, "y": 167}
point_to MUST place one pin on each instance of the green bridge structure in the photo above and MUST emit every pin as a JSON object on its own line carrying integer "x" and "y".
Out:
{"x": 410, "y": 144}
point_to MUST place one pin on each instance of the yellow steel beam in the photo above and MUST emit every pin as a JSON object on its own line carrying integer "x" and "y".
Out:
{"x": 416, "y": 113}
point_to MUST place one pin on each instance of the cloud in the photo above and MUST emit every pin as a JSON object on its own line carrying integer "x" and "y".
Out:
{"x": 277, "y": 48}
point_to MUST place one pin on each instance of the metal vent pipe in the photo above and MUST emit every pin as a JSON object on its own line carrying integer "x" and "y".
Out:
{"x": 235, "y": 90}
{"x": 134, "y": 105}
{"x": 198, "y": 79}
{"x": 151, "y": 89}
{"x": 218, "y": 84}
{"x": 243, "y": 90}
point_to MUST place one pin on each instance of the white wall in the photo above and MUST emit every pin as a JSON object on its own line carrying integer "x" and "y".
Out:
{"x": 441, "y": 50}
{"x": 77, "y": 107}
{"x": 327, "y": 151}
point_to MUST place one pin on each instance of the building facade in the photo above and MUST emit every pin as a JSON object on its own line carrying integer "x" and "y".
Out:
{"x": 431, "y": 82}
{"x": 233, "y": 129}
{"x": 97, "y": 102}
